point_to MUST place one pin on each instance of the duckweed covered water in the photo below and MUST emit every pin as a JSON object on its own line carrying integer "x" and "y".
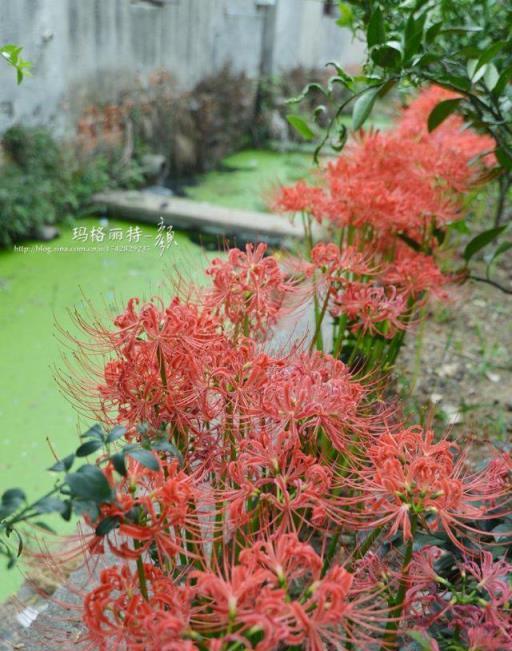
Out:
{"x": 37, "y": 288}
{"x": 248, "y": 178}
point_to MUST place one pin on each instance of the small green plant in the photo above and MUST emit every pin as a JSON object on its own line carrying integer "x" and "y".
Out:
{"x": 12, "y": 54}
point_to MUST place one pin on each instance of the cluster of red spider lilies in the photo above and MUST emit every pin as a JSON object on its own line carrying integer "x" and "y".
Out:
{"x": 271, "y": 500}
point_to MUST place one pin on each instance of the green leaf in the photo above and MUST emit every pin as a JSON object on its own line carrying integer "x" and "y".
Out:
{"x": 119, "y": 464}
{"x": 454, "y": 81}
{"x": 410, "y": 242}
{"x": 88, "y": 508}
{"x": 420, "y": 638}
{"x": 13, "y": 498}
{"x": 491, "y": 76}
{"x": 163, "y": 445}
{"x": 388, "y": 55}
{"x": 50, "y": 505}
{"x": 376, "y": 32}
{"x": 346, "y": 15}
{"x": 413, "y": 35}
{"x": 107, "y": 525}
{"x": 442, "y": 111}
{"x": 460, "y": 226}
{"x": 118, "y": 432}
{"x": 364, "y": 105}
{"x": 306, "y": 91}
{"x": 95, "y": 432}
{"x": 500, "y": 250}
{"x": 89, "y": 483}
{"x": 63, "y": 465}
{"x": 505, "y": 76}
{"x": 146, "y": 458}
{"x": 475, "y": 72}
{"x": 481, "y": 241}
{"x": 89, "y": 447}
{"x": 433, "y": 31}
{"x": 504, "y": 159}
{"x": 301, "y": 126}
{"x": 489, "y": 53}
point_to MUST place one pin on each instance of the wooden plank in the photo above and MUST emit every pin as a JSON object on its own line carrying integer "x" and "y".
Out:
{"x": 185, "y": 214}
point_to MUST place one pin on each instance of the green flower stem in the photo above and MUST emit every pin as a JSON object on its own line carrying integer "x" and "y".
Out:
{"x": 396, "y": 605}
{"x": 142, "y": 578}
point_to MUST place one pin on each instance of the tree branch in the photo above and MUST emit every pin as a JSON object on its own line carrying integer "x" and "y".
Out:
{"x": 488, "y": 281}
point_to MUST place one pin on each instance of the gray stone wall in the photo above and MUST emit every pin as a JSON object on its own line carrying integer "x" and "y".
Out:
{"x": 89, "y": 51}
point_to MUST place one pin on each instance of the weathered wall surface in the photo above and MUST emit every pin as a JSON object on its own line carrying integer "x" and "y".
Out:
{"x": 86, "y": 51}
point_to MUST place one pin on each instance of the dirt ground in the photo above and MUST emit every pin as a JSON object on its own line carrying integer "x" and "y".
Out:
{"x": 457, "y": 369}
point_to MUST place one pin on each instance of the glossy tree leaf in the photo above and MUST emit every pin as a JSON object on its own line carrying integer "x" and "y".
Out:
{"x": 89, "y": 483}
{"x": 376, "y": 32}
{"x": 63, "y": 465}
{"x": 301, "y": 126}
{"x": 387, "y": 55}
{"x": 500, "y": 250}
{"x": 50, "y": 504}
{"x": 118, "y": 432}
{"x": 413, "y": 35}
{"x": 442, "y": 111}
{"x": 481, "y": 241}
{"x": 489, "y": 54}
{"x": 89, "y": 447}
{"x": 364, "y": 105}
{"x": 491, "y": 76}
{"x": 94, "y": 432}
{"x": 13, "y": 498}
{"x": 475, "y": 71}
{"x": 119, "y": 463}
{"x": 504, "y": 159}
{"x": 505, "y": 77}
{"x": 107, "y": 525}
{"x": 146, "y": 458}
{"x": 346, "y": 15}
{"x": 424, "y": 643}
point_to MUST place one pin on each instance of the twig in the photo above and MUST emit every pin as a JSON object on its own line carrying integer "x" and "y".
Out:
{"x": 480, "y": 279}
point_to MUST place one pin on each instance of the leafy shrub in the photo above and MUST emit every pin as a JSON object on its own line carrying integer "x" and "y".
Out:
{"x": 44, "y": 182}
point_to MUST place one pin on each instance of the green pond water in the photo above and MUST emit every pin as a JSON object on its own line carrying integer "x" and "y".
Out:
{"x": 40, "y": 285}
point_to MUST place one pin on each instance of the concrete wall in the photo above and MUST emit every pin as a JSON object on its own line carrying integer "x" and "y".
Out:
{"x": 86, "y": 51}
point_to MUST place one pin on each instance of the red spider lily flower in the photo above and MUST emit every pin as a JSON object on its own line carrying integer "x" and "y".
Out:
{"x": 248, "y": 288}
{"x": 456, "y": 152}
{"x": 487, "y": 638}
{"x": 331, "y": 259}
{"x": 381, "y": 182}
{"x": 491, "y": 576}
{"x": 410, "y": 477}
{"x": 275, "y": 487}
{"x": 372, "y": 308}
{"x": 481, "y": 626}
{"x": 414, "y": 274}
{"x": 241, "y": 602}
{"x": 117, "y": 616}
{"x": 277, "y": 591}
{"x": 312, "y": 392}
{"x": 154, "y": 510}
{"x": 286, "y": 557}
{"x": 300, "y": 198}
